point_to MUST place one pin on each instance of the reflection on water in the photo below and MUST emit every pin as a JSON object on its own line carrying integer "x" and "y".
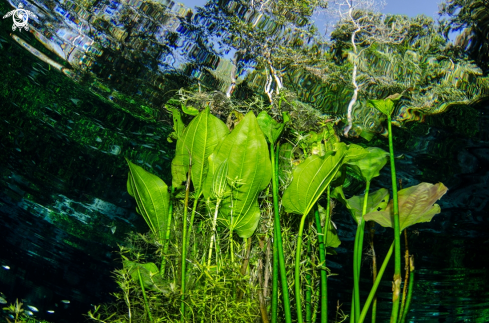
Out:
{"x": 63, "y": 200}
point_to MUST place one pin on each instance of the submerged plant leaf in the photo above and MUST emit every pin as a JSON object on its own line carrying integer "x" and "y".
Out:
{"x": 310, "y": 179}
{"x": 332, "y": 239}
{"x": 271, "y": 128}
{"x": 197, "y": 143}
{"x": 190, "y": 110}
{"x": 368, "y": 164}
{"x": 376, "y": 201}
{"x": 152, "y": 198}
{"x": 416, "y": 205}
{"x": 249, "y": 172}
{"x": 150, "y": 276}
{"x": 386, "y": 106}
{"x": 178, "y": 125}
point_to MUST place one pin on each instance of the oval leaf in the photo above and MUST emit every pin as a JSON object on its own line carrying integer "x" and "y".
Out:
{"x": 196, "y": 144}
{"x": 271, "y": 128}
{"x": 370, "y": 163}
{"x": 249, "y": 172}
{"x": 416, "y": 205}
{"x": 152, "y": 198}
{"x": 310, "y": 179}
{"x": 376, "y": 201}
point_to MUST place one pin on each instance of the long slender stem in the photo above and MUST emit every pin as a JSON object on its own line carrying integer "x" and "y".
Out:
{"x": 374, "y": 269}
{"x": 191, "y": 224}
{"x": 371, "y": 295}
{"x": 214, "y": 223}
{"x": 406, "y": 275}
{"x": 146, "y": 306}
{"x": 275, "y": 265}
{"x": 297, "y": 273}
{"x": 278, "y": 238}
{"x": 358, "y": 253}
{"x": 397, "y": 231}
{"x": 167, "y": 235}
{"x": 411, "y": 286}
{"x": 184, "y": 247}
{"x": 308, "y": 280}
{"x": 322, "y": 238}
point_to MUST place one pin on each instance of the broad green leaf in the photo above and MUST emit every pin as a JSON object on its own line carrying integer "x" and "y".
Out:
{"x": 190, "y": 110}
{"x": 310, "y": 179}
{"x": 152, "y": 198}
{"x": 370, "y": 164}
{"x": 178, "y": 125}
{"x": 196, "y": 144}
{"x": 354, "y": 152}
{"x": 386, "y": 106}
{"x": 376, "y": 201}
{"x": 416, "y": 205}
{"x": 337, "y": 193}
{"x": 249, "y": 170}
{"x": 332, "y": 239}
{"x": 150, "y": 276}
{"x": 271, "y": 128}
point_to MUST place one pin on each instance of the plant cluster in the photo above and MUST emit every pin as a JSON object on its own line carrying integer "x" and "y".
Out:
{"x": 225, "y": 241}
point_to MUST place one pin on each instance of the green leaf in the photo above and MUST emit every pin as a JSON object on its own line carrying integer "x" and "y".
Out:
{"x": 190, "y": 110}
{"x": 150, "y": 276}
{"x": 376, "y": 201}
{"x": 197, "y": 143}
{"x": 368, "y": 165}
{"x": 386, "y": 106}
{"x": 152, "y": 198}
{"x": 271, "y": 128}
{"x": 416, "y": 205}
{"x": 332, "y": 239}
{"x": 249, "y": 170}
{"x": 285, "y": 156}
{"x": 178, "y": 125}
{"x": 310, "y": 179}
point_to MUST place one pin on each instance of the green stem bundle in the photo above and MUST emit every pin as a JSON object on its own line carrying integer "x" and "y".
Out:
{"x": 277, "y": 240}
{"x": 397, "y": 231}
{"x": 184, "y": 247}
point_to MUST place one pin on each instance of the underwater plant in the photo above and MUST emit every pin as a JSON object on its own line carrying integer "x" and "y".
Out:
{"x": 225, "y": 230}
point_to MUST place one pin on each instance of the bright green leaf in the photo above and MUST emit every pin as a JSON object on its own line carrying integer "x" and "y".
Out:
{"x": 376, "y": 201}
{"x": 386, "y": 106}
{"x": 310, "y": 179}
{"x": 249, "y": 170}
{"x": 150, "y": 276}
{"x": 271, "y": 128}
{"x": 416, "y": 205}
{"x": 368, "y": 165}
{"x": 196, "y": 144}
{"x": 190, "y": 110}
{"x": 152, "y": 198}
{"x": 178, "y": 125}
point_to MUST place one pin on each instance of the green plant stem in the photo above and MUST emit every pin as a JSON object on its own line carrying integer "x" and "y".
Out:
{"x": 214, "y": 223}
{"x": 167, "y": 235}
{"x": 374, "y": 269}
{"x": 410, "y": 289}
{"x": 373, "y": 291}
{"x": 357, "y": 254}
{"x": 192, "y": 216}
{"x": 322, "y": 238}
{"x": 277, "y": 233}
{"x": 184, "y": 247}
{"x": 297, "y": 272}
{"x": 406, "y": 275}
{"x": 275, "y": 266}
{"x": 397, "y": 232}
{"x": 146, "y": 306}
{"x": 308, "y": 280}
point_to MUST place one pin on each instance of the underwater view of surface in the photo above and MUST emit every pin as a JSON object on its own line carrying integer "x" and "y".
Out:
{"x": 244, "y": 161}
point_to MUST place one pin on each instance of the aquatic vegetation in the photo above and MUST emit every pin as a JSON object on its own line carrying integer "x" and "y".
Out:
{"x": 245, "y": 181}
{"x": 17, "y": 314}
